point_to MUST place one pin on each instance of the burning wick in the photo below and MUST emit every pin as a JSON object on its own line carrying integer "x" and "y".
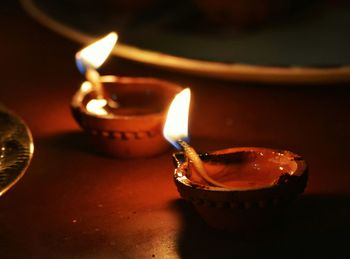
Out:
{"x": 176, "y": 131}
{"x": 92, "y": 57}
{"x": 94, "y": 78}
{"x": 192, "y": 155}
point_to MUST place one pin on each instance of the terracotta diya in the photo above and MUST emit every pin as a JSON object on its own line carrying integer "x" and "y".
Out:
{"x": 131, "y": 126}
{"x": 235, "y": 189}
{"x": 123, "y": 115}
{"x": 257, "y": 183}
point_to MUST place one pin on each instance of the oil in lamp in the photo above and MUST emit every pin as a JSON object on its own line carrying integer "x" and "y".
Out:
{"x": 235, "y": 189}
{"x": 124, "y": 116}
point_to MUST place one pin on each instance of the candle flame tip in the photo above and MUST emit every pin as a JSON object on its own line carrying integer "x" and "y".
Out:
{"x": 176, "y": 125}
{"x": 95, "y": 54}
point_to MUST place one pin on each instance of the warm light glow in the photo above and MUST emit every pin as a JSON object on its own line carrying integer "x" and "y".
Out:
{"x": 95, "y": 54}
{"x": 176, "y": 132}
{"x": 176, "y": 125}
{"x": 86, "y": 87}
{"x": 96, "y": 106}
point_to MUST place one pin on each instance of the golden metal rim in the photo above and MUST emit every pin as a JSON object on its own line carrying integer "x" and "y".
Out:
{"x": 16, "y": 145}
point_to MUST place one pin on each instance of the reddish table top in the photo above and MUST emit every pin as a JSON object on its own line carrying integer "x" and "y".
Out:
{"x": 74, "y": 203}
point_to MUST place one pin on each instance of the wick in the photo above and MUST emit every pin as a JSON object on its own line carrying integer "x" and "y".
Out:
{"x": 94, "y": 78}
{"x": 192, "y": 155}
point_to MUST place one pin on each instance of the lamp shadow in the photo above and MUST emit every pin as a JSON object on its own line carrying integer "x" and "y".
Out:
{"x": 313, "y": 226}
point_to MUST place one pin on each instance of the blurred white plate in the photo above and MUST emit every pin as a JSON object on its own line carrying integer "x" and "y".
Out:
{"x": 310, "y": 48}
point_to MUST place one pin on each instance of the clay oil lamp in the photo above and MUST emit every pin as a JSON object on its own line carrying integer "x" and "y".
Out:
{"x": 235, "y": 189}
{"x": 124, "y": 116}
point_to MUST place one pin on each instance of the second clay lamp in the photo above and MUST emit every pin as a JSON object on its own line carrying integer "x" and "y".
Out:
{"x": 124, "y": 116}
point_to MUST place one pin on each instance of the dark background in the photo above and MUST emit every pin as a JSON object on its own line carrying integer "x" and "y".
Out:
{"x": 74, "y": 203}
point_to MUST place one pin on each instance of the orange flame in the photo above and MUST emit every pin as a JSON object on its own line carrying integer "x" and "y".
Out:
{"x": 176, "y": 125}
{"x": 96, "y": 53}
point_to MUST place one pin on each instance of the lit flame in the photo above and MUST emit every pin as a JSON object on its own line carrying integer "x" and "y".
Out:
{"x": 96, "y": 106}
{"x": 95, "y": 54}
{"x": 176, "y": 125}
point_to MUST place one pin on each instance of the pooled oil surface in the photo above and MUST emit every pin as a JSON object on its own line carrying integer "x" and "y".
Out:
{"x": 246, "y": 169}
{"x": 136, "y": 103}
{"x": 134, "y": 96}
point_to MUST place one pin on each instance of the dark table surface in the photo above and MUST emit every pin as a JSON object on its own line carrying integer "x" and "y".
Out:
{"x": 74, "y": 203}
